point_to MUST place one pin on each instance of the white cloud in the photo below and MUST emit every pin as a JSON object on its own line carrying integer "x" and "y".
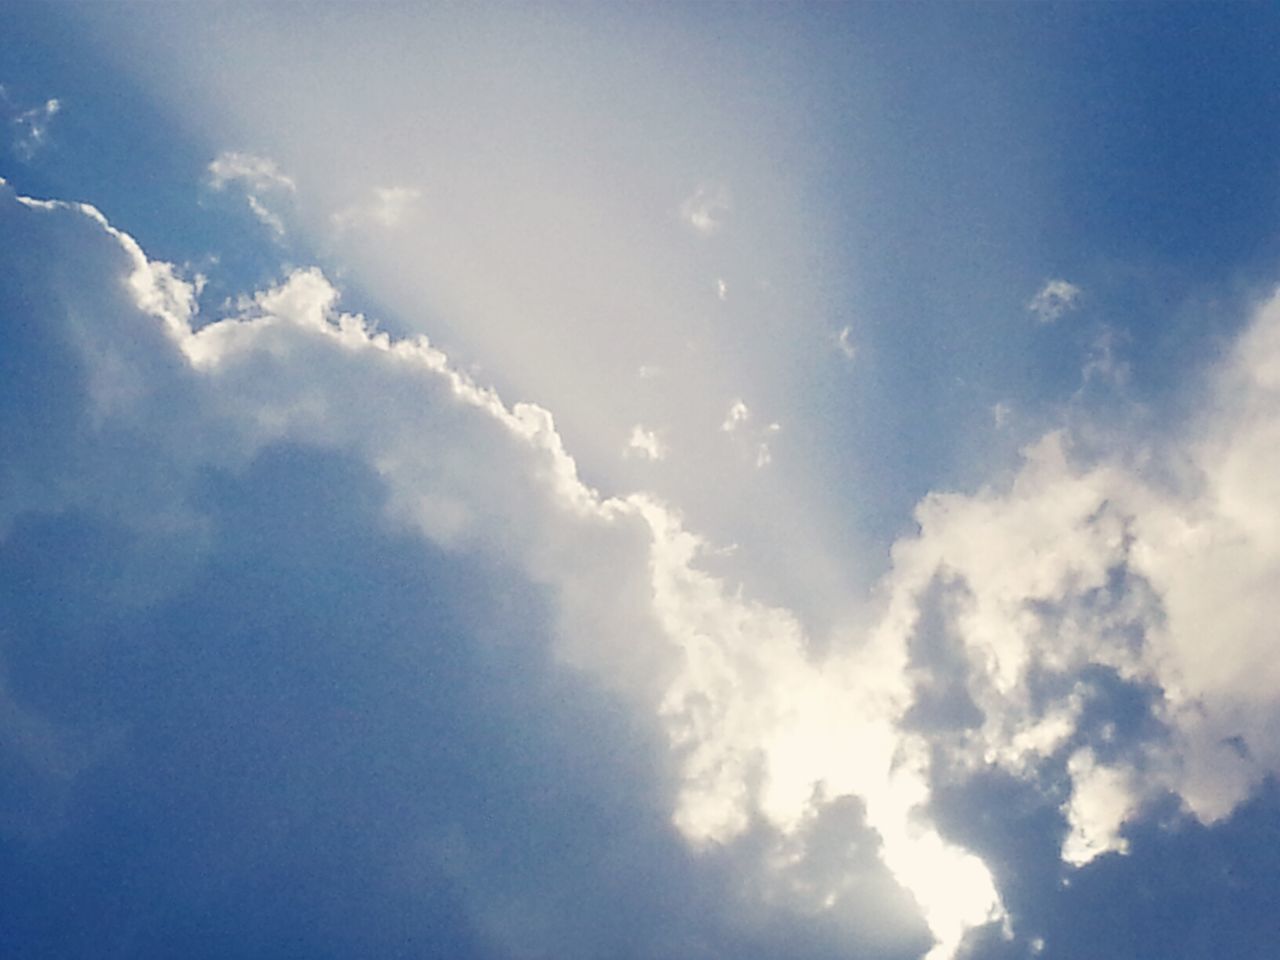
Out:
{"x": 1074, "y": 571}
{"x": 844, "y": 343}
{"x": 738, "y": 414}
{"x": 737, "y": 421}
{"x": 644, "y": 443}
{"x": 706, "y": 208}
{"x": 30, "y": 125}
{"x": 722, "y": 290}
{"x": 1102, "y": 799}
{"x": 764, "y": 456}
{"x": 1054, "y": 299}
{"x": 749, "y": 717}
{"x": 264, "y": 214}
{"x": 1112, "y": 566}
{"x": 255, "y": 173}
{"x": 256, "y": 176}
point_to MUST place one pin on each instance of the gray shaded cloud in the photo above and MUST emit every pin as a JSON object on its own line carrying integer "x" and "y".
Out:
{"x": 330, "y": 643}
{"x": 1043, "y": 633}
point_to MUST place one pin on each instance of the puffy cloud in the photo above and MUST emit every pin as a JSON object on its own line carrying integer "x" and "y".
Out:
{"x": 1051, "y": 630}
{"x": 169, "y": 409}
{"x": 1102, "y": 799}
{"x": 1085, "y": 592}
{"x": 1054, "y": 299}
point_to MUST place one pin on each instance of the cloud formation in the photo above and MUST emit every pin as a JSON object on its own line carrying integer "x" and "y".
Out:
{"x": 1054, "y": 299}
{"x": 645, "y": 443}
{"x": 1081, "y": 599}
{"x": 845, "y": 344}
{"x": 455, "y": 467}
{"x": 258, "y": 177}
{"x": 30, "y": 125}
{"x": 1051, "y": 630}
{"x": 706, "y": 208}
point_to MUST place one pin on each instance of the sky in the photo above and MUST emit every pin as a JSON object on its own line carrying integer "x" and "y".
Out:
{"x": 639, "y": 482}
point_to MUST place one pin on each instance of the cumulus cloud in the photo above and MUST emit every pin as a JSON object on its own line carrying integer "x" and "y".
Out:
{"x": 1054, "y": 299}
{"x": 258, "y": 177}
{"x": 1085, "y": 592}
{"x": 458, "y": 468}
{"x": 1051, "y": 629}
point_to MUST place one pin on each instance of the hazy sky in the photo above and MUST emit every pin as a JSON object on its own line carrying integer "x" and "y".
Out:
{"x": 667, "y": 482}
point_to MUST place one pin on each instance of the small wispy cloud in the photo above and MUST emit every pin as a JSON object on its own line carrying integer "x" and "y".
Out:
{"x": 1104, "y": 365}
{"x": 844, "y": 343}
{"x": 255, "y": 173}
{"x": 737, "y": 421}
{"x": 764, "y": 456}
{"x": 265, "y": 216}
{"x": 257, "y": 177}
{"x": 739, "y": 413}
{"x": 30, "y": 125}
{"x": 1055, "y": 298}
{"x": 705, "y": 210}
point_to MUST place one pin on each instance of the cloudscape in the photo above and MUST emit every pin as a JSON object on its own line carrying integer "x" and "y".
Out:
{"x": 680, "y": 482}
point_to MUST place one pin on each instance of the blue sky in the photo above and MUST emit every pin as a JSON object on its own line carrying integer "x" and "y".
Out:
{"x": 695, "y": 481}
